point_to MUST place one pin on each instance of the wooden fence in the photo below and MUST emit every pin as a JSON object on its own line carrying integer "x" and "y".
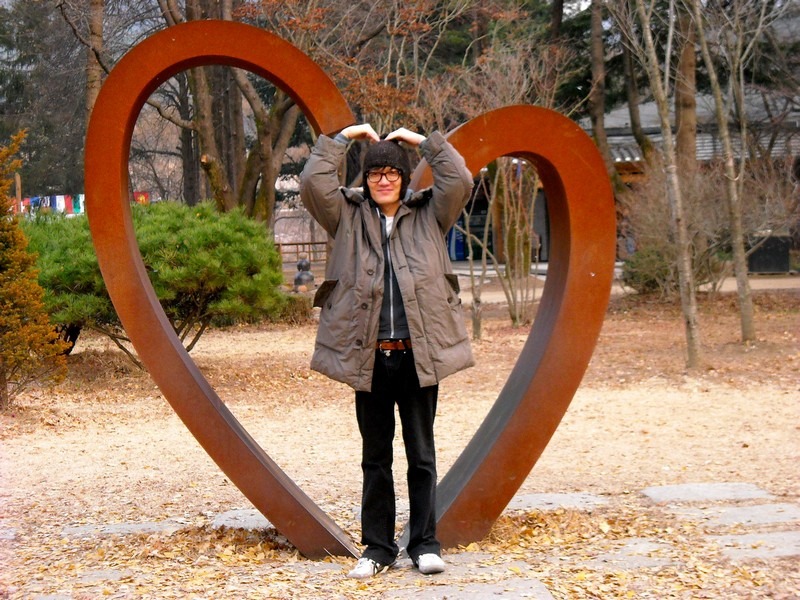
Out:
{"x": 291, "y": 252}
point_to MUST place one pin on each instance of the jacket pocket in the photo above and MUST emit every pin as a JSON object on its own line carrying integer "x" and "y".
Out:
{"x": 324, "y": 292}
{"x": 452, "y": 279}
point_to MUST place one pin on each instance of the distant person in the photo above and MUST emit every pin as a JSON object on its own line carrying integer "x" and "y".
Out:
{"x": 391, "y": 324}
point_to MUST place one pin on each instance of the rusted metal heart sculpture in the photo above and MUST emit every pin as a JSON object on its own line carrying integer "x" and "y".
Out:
{"x": 493, "y": 466}
{"x": 580, "y": 207}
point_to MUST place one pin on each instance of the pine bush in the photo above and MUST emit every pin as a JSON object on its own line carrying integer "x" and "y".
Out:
{"x": 30, "y": 350}
{"x": 205, "y": 267}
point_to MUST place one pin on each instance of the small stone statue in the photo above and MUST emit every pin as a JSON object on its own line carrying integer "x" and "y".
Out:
{"x": 304, "y": 279}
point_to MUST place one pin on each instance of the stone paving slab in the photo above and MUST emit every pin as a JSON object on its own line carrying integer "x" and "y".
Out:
{"x": 245, "y": 518}
{"x": 475, "y": 575}
{"x": 510, "y": 580}
{"x": 725, "y": 516}
{"x": 168, "y": 526}
{"x": 105, "y": 575}
{"x": 635, "y": 553}
{"x": 495, "y": 579}
{"x": 705, "y": 492}
{"x": 774, "y": 544}
{"x": 546, "y": 502}
{"x": 519, "y": 588}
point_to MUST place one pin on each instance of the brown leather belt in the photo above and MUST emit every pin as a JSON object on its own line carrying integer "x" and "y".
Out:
{"x": 387, "y": 345}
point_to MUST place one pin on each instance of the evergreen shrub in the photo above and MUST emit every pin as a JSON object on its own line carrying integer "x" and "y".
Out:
{"x": 205, "y": 267}
{"x": 30, "y": 351}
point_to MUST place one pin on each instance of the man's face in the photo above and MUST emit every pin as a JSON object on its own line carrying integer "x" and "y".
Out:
{"x": 384, "y": 187}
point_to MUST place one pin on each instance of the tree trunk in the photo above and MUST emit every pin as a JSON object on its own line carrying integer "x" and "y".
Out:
{"x": 212, "y": 160}
{"x": 556, "y": 17}
{"x": 283, "y": 119}
{"x": 685, "y": 275}
{"x": 253, "y": 167}
{"x": 94, "y": 70}
{"x": 229, "y": 122}
{"x": 478, "y": 31}
{"x": 238, "y": 176}
{"x": 210, "y": 157}
{"x": 188, "y": 147}
{"x": 597, "y": 95}
{"x": 686, "y": 123}
{"x": 744, "y": 294}
{"x": 4, "y": 399}
{"x": 685, "y": 96}
{"x": 632, "y": 93}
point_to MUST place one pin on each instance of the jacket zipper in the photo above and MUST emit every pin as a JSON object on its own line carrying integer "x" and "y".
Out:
{"x": 388, "y": 258}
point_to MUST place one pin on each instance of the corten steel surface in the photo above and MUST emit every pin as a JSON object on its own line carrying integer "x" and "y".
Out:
{"x": 580, "y": 206}
{"x": 128, "y": 86}
{"x": 495, "y": 463}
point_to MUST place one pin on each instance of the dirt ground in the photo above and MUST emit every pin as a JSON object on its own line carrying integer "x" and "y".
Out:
{"x": 105, "y": 447}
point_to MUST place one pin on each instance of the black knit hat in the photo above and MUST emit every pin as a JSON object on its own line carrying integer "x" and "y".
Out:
{"x": 387, "y": 153}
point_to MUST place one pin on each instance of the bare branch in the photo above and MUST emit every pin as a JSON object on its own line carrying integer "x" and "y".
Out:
{"x": 62, "y": 8}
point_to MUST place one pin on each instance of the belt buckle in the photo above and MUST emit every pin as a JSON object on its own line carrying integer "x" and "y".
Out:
{"x": 387, "y": 351}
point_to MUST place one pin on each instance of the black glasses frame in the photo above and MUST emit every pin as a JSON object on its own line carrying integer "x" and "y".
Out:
{"x": 391, "y": 176}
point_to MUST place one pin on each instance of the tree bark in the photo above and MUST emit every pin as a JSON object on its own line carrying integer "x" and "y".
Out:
{"x": 556, "y": 17}
{"x": 685, "y": 96}
{"x": 743, "y": 292}
{"x": 632, "y": 93}
{"x": 229, "y": 121}
{"x": 597, "y": 95}
{"x": 210, "y": 155}
{"x": 478, "y": 31}
{"x": 674, "y": 198}
{"x": 211, "y": 159}
{"x": 188, "y": 148}
{"x": 248, "y": 187}
{"x": 283, "y": 120}
{"x": 94, "y": 70}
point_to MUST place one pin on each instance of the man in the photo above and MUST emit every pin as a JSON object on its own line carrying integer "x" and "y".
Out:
{"x": 391, "y": 323}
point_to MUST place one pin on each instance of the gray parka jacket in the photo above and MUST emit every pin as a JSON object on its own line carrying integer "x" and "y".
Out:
{"x": 352, "y": 293}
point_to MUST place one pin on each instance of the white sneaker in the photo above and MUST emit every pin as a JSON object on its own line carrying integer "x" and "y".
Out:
{"x": 366, "y": 568}
{"x": 428, "y": 564}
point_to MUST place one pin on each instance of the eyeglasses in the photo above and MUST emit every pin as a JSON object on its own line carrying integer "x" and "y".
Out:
{"x": 391, "y": 175}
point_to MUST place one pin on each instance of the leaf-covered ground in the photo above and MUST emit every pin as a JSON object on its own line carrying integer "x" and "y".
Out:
{"x": 105, "y": 448}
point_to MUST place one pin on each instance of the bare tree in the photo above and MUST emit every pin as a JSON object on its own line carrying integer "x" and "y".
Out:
{"x": 514, "y": 68}
{"x": 738, "y": 26}
{"x": 635, "y": 24}
{"x": 155, "y": 160}
{"x": 516, "y": 188}
{"x": 379, "y": 53}
{"x": 107, "y": 29}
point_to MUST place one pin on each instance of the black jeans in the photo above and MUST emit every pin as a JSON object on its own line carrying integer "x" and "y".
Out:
{"x": 395, "y": 382}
